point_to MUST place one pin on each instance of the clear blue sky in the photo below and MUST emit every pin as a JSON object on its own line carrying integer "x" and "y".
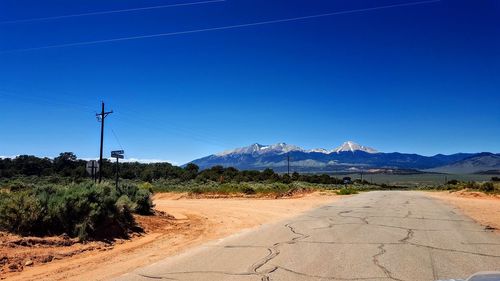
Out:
{"x": 420, "y": 78}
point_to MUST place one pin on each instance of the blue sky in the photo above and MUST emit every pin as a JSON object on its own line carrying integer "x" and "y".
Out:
{"x": 420, "y": 78}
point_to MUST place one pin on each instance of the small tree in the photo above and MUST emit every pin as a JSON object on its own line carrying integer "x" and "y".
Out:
{"x": 192, "y": 168}
{"x": 286, "y": 179}
{"x": 487, "y": 187}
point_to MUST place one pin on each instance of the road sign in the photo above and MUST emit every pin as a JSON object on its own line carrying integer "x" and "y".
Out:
{"x": 114, "y": 154}
{"x": 118, "y": 154}
{"x": 92, "y": 167}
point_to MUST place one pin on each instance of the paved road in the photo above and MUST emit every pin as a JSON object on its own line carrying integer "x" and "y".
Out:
{"x": 371, "y": 236}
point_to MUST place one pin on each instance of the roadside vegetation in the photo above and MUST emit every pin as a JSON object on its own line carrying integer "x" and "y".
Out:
{"x": 83, "y": 210}
{"x": 489, "y": 187}
{"x": 41, "y": 196}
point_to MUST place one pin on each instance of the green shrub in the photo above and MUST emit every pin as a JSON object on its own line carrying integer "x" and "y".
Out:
{"x": 248, "y": 190}
{"x": 19, "y": 211}
{"x": 196, "y": 190}
{"x": 125, "y": 204}
{"x": 146, "y": 186}
{"x": 471, "y": 185}
{"x": 144, "y": 204}
{"x": 18, "y": 185}
{"x": 80, "y": 210}
{"x": 487, "y": 187}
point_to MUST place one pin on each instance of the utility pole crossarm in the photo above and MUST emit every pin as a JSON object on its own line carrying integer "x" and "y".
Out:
{"x": 105, "y": 114}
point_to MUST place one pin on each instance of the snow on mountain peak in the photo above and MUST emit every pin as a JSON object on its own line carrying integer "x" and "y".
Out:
{"x": 281, "y": 148}
{"x": 261, "y": 149}
{"x": 319, "y": 150}
{"x": 350, "y": 146}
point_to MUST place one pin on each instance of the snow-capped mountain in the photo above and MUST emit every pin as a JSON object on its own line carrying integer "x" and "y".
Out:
{"x": 320, "y": 150}
{"x": 262, "y": 149}
{"x": 350, "y": 146}
{"x": 347, "y": 157}
{"x": 280, "y": 148}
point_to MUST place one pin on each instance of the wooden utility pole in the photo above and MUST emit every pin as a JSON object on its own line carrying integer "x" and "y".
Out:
{"x": 100, "y": 117}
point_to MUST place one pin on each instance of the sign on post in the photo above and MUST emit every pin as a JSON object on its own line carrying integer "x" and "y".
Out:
{"x": 118, "y": 154}
{"x": 92, "y": 167}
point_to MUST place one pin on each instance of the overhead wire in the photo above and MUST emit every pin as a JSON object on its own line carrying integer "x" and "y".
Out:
{"x": 184, "y": 128}
{"x": 227, "y": 27}
{"x": 150, "y": 123}
{"x": 110, "y": 12}
{"x": 146, "y": 123}
{"x": 43, "y": 101}
{"x": 116, "y": 138}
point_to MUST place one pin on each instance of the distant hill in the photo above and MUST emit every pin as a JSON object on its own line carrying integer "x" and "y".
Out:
{"x": 348, "y": 157}
{"x": 481, "y": 163}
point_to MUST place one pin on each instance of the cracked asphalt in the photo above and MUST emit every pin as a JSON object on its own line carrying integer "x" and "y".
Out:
{"x": 386, "y": 235}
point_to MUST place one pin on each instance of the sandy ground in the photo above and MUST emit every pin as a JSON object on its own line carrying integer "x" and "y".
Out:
{"x": 196, "y": 221}
{"x": 483, "y": 208}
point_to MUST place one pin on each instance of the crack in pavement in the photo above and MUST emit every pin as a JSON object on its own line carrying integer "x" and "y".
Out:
{"x": 407, "y": 214}
{"x": 421, "y": 218}
{"x": 363, "y": 219}
{"x": 349, "y": 243}
{"x": 453, "y": 250}
{"x": 376, "y": 262}
{"x": 330, "y": 277}
{"x": 156, "y": 277}
{"x": 331, "y": 225}
{"x": 390, "y": 244}
{"x": 479, "y": 243}
{"x": 274, "y": 252}
{"x": 409, "y": 236}
{"x": 202, "y": 272}
{"x": 254, "y": 268}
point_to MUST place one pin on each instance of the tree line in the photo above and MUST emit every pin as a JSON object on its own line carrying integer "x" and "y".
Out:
{"x": 67, "y": 165}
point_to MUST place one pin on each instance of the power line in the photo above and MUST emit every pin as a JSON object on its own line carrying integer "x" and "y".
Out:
{"x": 84, "y": 43}
{"x": 109, "y": 12}
{"x": 41, "y": 100}
{"x": 116, "y": 138}
{"x": 179, "y": 127}
{"x": 151, "y": 124}
{"x": 197, "y": 135}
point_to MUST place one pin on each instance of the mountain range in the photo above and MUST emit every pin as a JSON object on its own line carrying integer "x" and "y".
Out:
{"x": 348, "y": 157}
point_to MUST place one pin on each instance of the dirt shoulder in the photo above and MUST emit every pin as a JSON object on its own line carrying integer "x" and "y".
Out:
{"x": 481, "y": 207}
{"x": 194, "y": 222}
